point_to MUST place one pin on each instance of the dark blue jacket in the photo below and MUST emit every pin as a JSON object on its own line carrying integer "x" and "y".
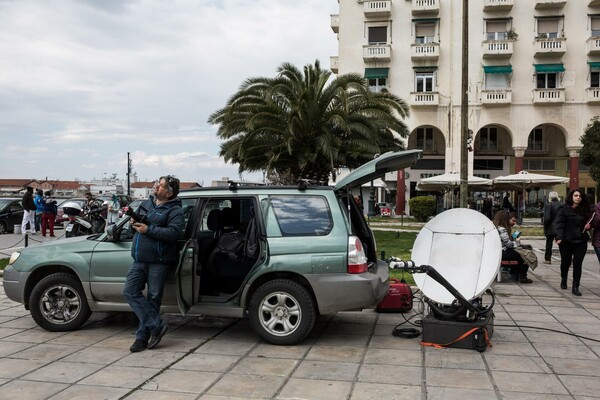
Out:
{"x": 569, "y": 224}
{"x": 166, "y": 226}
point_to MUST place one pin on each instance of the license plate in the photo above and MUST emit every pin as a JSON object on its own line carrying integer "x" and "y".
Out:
{"x": 69, "y": 228}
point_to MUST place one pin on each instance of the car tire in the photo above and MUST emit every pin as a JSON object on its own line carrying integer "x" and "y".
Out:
{"x": 282, "y": 312}
{"x": 58, "y": 303}
{"x": 3, "y": 228}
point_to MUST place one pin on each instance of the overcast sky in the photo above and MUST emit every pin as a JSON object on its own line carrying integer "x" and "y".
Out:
{"x": 84, "y": 82}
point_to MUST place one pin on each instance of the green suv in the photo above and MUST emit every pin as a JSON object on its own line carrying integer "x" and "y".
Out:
{"x": 277, "y": 255}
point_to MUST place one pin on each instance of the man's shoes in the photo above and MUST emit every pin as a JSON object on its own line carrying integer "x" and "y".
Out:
{"x": 138, "y": 345}
{"x": 155, "y": 338}
{"x": 563, "y": 284}
{"x": 576, "y": 291}
{"x": 525, "y": 280}
{"x": 547, "y": 262}
{"x": 52, "y": 236}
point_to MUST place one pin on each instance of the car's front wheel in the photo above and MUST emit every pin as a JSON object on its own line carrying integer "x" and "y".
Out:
{"x": 58, "y": 303}
{"x": 282, "y": 312}
{"x": 3, "y": 228}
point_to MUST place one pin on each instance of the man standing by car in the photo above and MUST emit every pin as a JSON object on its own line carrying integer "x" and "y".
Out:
{"x": 154, "y": 251}
{"x": 28, "y": 211}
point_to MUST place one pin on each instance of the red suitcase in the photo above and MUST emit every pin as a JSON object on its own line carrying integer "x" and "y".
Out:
{"x": 398, "y": 299}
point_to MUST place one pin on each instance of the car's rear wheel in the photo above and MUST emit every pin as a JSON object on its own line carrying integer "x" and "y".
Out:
{"x": 3, "y": 228}
{"x": 282, "y": 312}
{"x": 58, "y": 303}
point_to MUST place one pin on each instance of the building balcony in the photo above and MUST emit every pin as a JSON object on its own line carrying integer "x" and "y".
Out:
{"x": 593, "y": 3}
{"x": 423, "y": 52}
{"x": 496, "y": 97}
{"x": 497, "y": 5}
{"x": 381, "y": 8}
{"x": 335, "y": 22}
{"x": 497, "y": 48}
{"x": 424, "y": 99}
{"x": 376, "y": 52}
{"x": 334, "y": 63}
{"x": 593, "y": 95}
{"x": 425, "y": 6}
{"x": 550, "y": 47}
{"x": 593, "y": 44}
{"x": 548, "y": 96}
{"x": 548, "y": 4}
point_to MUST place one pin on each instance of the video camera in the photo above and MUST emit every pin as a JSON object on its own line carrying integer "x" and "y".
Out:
{"x": 137, "y": 217}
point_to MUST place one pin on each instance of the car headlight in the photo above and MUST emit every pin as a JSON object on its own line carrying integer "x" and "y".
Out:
{"x": 13, "y": 257}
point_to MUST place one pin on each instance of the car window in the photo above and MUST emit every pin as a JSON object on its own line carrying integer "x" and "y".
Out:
{"x": 15, "y": 207}
{"x": 299, "y": 215}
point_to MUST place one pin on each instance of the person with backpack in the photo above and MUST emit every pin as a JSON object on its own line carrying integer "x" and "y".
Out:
{"x": 550, "y": 212}
{"x": 39, "y": 208}
{"x": 49, "y": 213}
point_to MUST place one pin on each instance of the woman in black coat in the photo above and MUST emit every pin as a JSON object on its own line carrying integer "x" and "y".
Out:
{"x": 572, "y": 224}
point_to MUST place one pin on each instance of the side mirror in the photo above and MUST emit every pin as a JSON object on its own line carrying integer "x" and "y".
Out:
{"x": 113, "y": 234}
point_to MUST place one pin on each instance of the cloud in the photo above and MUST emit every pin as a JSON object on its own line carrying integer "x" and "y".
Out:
{"x": 92, "y": 80}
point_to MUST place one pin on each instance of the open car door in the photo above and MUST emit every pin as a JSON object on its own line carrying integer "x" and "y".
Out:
{"x": 186, "y": 281}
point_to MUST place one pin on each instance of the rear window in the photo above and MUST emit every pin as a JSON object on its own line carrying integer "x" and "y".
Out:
{"x": 302, "y": 215}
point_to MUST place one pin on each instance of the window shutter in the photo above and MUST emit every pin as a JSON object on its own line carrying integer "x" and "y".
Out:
{"x": 595, "y": 24}
{"x": 425, "y": 30}
{"x": 547, "y": 25}
{"x": 495, "y": 26}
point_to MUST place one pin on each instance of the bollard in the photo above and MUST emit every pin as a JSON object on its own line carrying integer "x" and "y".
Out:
{"x": 26, "y": 239}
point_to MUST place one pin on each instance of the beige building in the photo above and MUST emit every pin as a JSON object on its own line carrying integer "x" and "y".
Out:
{"x": 534, "y": 80}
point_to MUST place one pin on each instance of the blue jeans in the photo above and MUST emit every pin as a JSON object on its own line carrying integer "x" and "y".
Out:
{"x": 597, "y": 250}
{"x": 146, "y": 308}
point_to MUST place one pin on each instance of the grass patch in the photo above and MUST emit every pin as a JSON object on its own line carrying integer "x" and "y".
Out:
{"x": 3, "y": 263}
{"x": 397, "y": 244}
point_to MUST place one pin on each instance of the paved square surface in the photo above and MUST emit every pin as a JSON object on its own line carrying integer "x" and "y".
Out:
{"x": 350, "y": 355}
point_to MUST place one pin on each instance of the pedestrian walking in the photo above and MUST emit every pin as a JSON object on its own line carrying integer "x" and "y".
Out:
{"x": 49, "y": 215}
{"x": 572, "y": 226}
{"x": 550, "y": 212}
{"x": 28, "y": 211}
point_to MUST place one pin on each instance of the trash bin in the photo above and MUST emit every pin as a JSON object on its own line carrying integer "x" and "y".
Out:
{"x": 17, "y": 229}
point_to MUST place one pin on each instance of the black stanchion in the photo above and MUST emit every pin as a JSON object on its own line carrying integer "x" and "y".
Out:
{"x": 26, "y": 239}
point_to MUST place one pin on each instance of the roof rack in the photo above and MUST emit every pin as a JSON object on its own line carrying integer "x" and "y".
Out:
{"x": 305, "y": 183}
{"x": 233, "y": 185}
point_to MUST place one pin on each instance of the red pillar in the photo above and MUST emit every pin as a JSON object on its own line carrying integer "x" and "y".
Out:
{"x": 518, "y": 164}
{"x": 574, "y": 175}
{"x": 400, "y": 193}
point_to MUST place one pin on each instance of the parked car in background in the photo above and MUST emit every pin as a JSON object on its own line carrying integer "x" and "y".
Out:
{"x": 11, "y": 214}
{"x": 277, "y": 255}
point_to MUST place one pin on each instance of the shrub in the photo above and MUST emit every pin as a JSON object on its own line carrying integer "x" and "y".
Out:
{"x": 422, "y": 207}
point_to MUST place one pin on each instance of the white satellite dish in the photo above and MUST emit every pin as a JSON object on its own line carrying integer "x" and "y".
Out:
{"x": 464, "y": 247}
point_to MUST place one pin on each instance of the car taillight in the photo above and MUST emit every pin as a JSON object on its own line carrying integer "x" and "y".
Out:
{"x": 357, "y": 260}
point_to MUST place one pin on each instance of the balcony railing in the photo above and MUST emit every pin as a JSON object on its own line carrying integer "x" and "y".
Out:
{"x": 334, "y": 64}
{"x": 428, "y": 51}
{"x": 593, "y": 95}
{"x": 550, "y": 47}
{"x": 497, "y": 48}
{"x": 376, "y": 52}
{"x": 335, "y": 23}
{"x": 496, "y": 97}
{"x": 548, "y": 96}
{"x": 546, "y": 4}
{"x": 497, "y": 5}
{"x": 425, "y": 6}
{"x": 381, "y": 8}
{"x": 593, "y": 46}
{"x": 424, "y": 99}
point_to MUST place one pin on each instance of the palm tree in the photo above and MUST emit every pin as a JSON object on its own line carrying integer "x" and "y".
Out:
{"x": 296, "y": 125}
